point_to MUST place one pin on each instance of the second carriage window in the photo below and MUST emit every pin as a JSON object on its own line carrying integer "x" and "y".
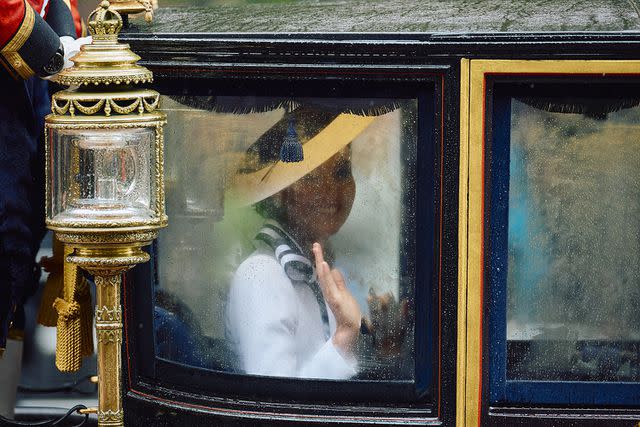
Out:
{"x": 564, "y": 239}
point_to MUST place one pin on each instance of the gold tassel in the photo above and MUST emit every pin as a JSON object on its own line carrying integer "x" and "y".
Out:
{"x": 75, "y": 319}
{"x": 54, "y": 288}
{"x": 83, "y": 297}
{"x": 68, "y": 357}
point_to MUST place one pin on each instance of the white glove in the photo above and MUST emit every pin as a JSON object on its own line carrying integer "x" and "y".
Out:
{"x": 72, "y": 47}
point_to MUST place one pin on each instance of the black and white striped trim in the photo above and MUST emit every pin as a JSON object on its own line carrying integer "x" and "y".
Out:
{"x": 296, "y": 266}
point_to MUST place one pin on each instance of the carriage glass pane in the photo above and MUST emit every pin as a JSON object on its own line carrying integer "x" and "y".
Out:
{"x": 573, "y": 281}
{"x": 237, "y": 290}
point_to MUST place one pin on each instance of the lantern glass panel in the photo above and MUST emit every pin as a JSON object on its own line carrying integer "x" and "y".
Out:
{"x": 102, "y": 175}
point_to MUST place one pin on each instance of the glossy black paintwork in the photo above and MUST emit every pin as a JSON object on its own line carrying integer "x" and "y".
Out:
{"x": 235, "y": 62}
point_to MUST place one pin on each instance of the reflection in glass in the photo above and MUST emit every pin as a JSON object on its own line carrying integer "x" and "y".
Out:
{"x": 238, "y": 288}
{"x": 574, "y": 246}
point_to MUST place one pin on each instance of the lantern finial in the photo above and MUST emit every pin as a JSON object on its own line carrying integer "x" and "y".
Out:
{"x": 105, "y": 61}
{"x": 105, "y": 22}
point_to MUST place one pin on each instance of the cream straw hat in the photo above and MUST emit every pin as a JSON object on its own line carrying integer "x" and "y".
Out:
{"x": 262, "y": 176}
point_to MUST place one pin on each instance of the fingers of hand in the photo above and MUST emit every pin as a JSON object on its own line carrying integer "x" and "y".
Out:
{"x": 330, "y": 280}
{"x": 380, "y": 305}
{"x": 335, "y": 291}
{"x": 317, "y": 252}
{"x": 386, "y": 301}
{"x": 338, "y": 278}
{"x": 327, "y": 279}
{"x": 367, "y": 325}
{"x": 322, "y": 269}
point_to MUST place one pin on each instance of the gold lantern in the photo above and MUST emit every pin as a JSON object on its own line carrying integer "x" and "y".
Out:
{"x": 105, "y": 188}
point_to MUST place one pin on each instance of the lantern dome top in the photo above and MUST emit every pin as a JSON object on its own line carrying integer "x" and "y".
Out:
{"x": 105, "y": 61}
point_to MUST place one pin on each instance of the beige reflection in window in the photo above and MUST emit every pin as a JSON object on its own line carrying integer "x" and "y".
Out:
{"x": 238, "y": 288}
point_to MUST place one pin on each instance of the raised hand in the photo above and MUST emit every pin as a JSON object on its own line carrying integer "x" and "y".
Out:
{"x": 342, "y": 304}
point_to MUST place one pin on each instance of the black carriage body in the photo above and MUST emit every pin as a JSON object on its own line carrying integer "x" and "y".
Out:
{"x": 228, "y": 62}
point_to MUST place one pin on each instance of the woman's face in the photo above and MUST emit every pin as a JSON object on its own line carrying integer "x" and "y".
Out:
{"x": 319, "y": 203}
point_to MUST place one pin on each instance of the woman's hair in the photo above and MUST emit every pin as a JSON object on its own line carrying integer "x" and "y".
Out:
{"x": 272, "y": 208}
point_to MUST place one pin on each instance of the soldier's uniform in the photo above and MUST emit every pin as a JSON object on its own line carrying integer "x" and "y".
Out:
{"x": 30, "y": 45}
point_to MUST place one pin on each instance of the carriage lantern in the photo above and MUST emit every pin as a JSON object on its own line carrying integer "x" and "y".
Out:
{"x": 105, "y": 189}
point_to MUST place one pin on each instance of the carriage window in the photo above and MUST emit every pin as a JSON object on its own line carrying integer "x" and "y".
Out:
{"x": 291, "y": 226}
{"x": 573, "y": 245}
{"x": 565, "y": 248}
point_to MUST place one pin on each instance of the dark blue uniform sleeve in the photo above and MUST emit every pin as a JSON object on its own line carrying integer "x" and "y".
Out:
{"x": 27, "y": 44}
{"x": 27, "y": 41}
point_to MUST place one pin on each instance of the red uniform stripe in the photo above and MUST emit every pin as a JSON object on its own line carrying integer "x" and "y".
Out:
{"x": 77, "y": 19}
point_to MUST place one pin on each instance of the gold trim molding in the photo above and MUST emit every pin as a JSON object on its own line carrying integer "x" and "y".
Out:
{"x": 471, "y": 216}
{"x": 108, "y": 335}
{"x": 72, "y": 103}
{"x": 110, "y": 416}
{"x": 106, "y": 314}
{"x": 95, "y": 238}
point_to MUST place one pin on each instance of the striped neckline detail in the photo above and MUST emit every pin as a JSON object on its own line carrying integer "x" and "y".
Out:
{"x": 296, "y": 266}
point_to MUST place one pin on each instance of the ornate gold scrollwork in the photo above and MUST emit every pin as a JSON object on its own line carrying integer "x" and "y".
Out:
{"x": 110, "y": 416}
{"x": 109, "y": 336}
{"x": 106, "y": 314}
{"x": 142, "y": 236}
{"x": 108, "y": 281}
{"x": 151, "y": 106}
{"x": 63, "y": 103}
{"x": 89, "y": 110}
{"x": 59, "y": 109}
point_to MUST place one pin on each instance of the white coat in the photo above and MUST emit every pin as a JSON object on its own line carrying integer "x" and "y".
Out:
{"x": 276, "y": 326}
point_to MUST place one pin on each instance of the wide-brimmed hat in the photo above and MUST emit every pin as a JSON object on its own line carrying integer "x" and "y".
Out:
{"x": 263, "y": 173}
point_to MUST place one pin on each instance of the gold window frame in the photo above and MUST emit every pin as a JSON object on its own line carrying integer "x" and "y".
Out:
{"x": 471, "y": 206}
